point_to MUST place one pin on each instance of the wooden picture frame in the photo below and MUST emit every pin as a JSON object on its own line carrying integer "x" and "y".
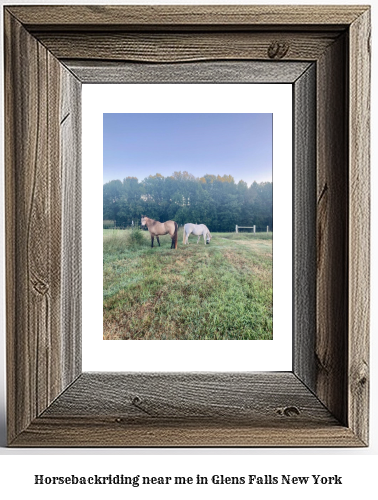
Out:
{"x": 49, "y": 52}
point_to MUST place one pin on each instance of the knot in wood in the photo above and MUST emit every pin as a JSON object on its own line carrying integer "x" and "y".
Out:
{"x": 363, "y": 380}
{"x": 140, "y": 404}
{"x": 288, "y": 411}
{"x": 136, "y": 400}
{"x": 361, "y": 375}
{"x": 277, "y": 50}
{"x": 41, "y": 287}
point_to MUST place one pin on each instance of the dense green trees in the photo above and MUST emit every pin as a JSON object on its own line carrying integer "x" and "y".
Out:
{"x": 216, "y": 201}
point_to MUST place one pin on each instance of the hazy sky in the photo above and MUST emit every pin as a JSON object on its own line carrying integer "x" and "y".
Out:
{"x": 143, "y": 144}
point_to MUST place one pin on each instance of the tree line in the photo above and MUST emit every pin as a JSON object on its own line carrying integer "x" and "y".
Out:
{"x": 216, "y": 201}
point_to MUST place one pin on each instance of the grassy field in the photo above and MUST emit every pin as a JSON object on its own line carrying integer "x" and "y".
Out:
{"x": 221, "y": 291}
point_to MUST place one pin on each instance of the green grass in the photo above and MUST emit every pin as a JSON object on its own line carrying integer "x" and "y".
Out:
{"x": 221, "y": 291}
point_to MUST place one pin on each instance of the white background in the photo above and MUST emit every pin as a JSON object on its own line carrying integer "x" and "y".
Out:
{"x": 357, "y": 466}
{"x": 181, "y": 355}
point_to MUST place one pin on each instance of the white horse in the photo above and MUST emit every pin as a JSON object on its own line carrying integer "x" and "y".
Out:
{"x": 198, "y": 230}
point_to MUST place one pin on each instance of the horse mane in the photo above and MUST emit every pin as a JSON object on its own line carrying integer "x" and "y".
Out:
{"x": 145, "y": 217}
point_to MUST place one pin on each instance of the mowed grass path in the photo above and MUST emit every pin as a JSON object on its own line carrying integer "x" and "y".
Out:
{"x": 221, "y": 291}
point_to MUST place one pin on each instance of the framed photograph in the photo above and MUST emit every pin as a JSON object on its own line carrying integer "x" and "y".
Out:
{"x": 323, "y": 54}
{"x": 202, "y": 291}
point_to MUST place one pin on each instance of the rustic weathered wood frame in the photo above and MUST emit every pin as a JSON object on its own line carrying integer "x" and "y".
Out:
{"x": 49, "y": 52}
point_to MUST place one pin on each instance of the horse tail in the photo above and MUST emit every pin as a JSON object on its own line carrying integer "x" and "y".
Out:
{"x": 176, "y": 234}
{"x": 183, "y": 236}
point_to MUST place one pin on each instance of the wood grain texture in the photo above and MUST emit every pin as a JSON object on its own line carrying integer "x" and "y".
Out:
{"x": 332, "y": 230}
{"x": 168, "y": 16}
{"x": 263, "y": 398}
{"x": 180, "y": 47}
{"x": 359, "y": 226}
{"x": 304, "y": 227}
{"x": 33, "y": 227}
{"x": 70, "y": 161}
{"x": 198, "y": 409}
{"x": 202, "y": 72}
{"x": 32, "y": 192}
{"x": 99, "y": 432}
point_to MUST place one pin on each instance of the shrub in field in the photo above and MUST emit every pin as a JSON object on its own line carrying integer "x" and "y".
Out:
{"x": 135, "y": 237}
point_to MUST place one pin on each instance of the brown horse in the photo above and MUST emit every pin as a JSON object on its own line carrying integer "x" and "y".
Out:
{"x": 159, "y": 228}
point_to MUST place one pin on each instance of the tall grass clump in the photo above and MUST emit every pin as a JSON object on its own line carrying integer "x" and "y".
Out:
{"x": 117, "y": 242}
{"x": 114, "y": 242}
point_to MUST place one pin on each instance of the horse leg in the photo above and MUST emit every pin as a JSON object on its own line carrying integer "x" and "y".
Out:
{"x": 198, "y": 239}
{"x": 157, "y": 237}
{"x": 152, "y": 241}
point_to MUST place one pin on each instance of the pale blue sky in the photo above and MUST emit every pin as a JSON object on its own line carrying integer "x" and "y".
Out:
{"x": 143, "y": 144}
